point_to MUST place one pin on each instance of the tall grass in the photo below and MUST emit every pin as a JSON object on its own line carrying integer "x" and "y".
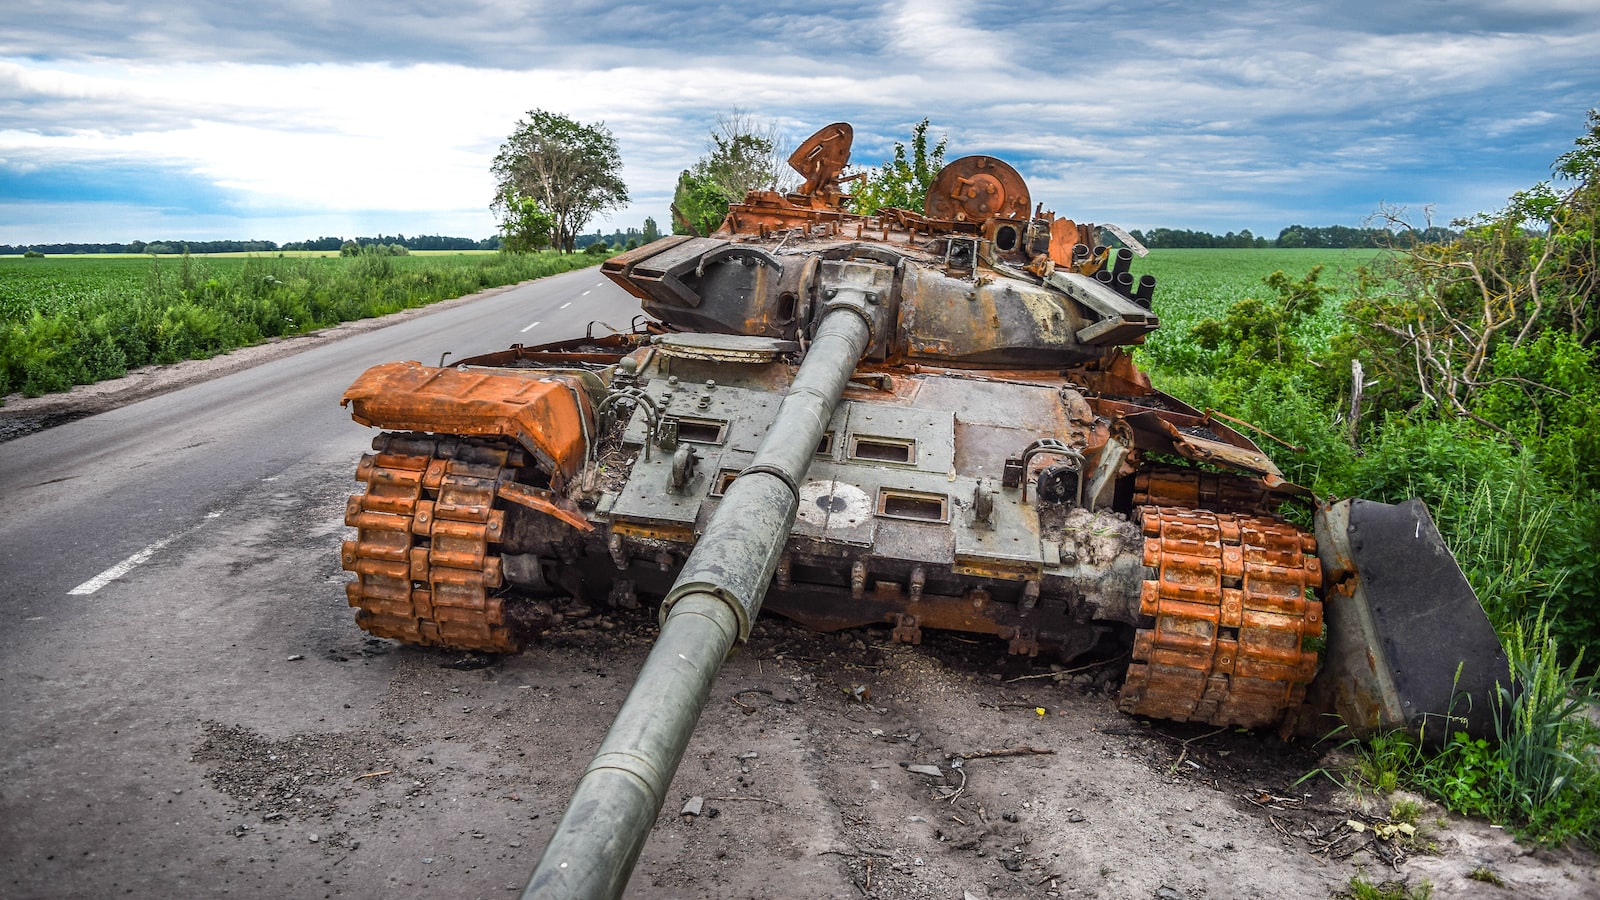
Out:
{"x": 76, "y": 321}
{"x": 1541, "y": 774}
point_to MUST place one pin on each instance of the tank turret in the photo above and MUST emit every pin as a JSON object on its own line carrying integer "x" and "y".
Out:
{"x": 982, "y": 280}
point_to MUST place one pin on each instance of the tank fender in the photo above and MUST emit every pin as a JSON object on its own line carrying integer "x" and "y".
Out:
{"x": 1409, "y": 645}
{"x": 550, "y": 414}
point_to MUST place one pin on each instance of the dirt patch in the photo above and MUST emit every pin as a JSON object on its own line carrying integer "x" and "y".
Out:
{"x": 307, "y": 779}
{"x": 854, "y": 767}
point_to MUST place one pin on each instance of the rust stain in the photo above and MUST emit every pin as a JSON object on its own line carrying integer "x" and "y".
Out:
{"x": 422, "y": 556}
{"x": 682, "y": 534}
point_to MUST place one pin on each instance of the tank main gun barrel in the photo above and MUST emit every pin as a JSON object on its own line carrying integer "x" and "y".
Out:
{"x": 709, "y": 609}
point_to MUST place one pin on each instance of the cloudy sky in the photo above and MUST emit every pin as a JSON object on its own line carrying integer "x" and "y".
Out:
{"x": 290, "y": 119}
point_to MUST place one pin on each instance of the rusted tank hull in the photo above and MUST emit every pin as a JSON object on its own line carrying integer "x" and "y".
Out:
{"x": 889, "y": 529}
{"x": 1219, "y": 612}
{"x": 924, "y": 420}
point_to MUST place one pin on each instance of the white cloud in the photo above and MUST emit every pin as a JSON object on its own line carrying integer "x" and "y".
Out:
{"x": 1147, "y": 111}
{"x": 942, "y": 34}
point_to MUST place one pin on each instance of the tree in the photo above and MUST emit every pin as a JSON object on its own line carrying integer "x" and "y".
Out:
{"x": 698, "y": 205}
{"x": 571, "y": 171}
{"x": 652, "y": 231}
{"x": 901, "y": 183}
{"x": 524, "y": 226}
{"x": 743, "y": 154}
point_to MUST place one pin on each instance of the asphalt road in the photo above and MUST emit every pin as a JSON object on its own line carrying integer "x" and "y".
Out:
{"x": 162, "y": 562}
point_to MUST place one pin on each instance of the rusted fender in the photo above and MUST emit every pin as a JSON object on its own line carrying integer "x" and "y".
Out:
{"x": 548, "y": 413}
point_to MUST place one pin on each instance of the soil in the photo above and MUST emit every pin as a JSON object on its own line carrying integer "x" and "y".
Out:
{"x": 802, "y": 775}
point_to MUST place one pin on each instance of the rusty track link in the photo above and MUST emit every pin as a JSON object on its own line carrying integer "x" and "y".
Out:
{"x": 1233, "y": 613}
{"x": 1173, "y": 486}
{"x": 425, "y": 569}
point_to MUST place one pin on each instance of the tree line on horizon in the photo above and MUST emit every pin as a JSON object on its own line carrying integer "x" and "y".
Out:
{"x": 621, "y": 238}
{"x": 1328, "y": 237}
{"x": 415, "y": 242}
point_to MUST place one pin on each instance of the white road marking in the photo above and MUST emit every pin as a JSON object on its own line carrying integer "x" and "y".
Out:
{"x": 585, "y": 293}
{"x": 132, "y": 562}
{"x": 121, "y": 568}
{"x": 529, "y": 328}
{"x": 565, "y": 305}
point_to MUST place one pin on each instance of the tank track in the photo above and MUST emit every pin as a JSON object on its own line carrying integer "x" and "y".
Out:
{"x": 425, "y": 570}
{"x": 1233, "y": 625}
{"x": 1189, "y": 488}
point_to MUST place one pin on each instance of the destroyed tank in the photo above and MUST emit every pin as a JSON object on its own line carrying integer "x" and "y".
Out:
{"x": 913, "y": 420}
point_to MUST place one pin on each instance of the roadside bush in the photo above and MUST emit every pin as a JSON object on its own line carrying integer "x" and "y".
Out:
{"x": 1265, "y": 331}
{"x": 42, "y": 355}
{"x": 1481, "y": 395}
{"x": 1546, "y": 394}
{"x": 1494, "y": 420}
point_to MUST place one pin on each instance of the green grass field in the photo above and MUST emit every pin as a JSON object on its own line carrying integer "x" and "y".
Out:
{"x": 117, "y": 311}
{"x": 1194, "y": 284}
{"x": 78, "y": 319}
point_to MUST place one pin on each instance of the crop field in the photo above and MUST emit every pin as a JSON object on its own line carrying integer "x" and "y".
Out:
{"x": 1194, "y": 284}
{"x": 79, "y": 319}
